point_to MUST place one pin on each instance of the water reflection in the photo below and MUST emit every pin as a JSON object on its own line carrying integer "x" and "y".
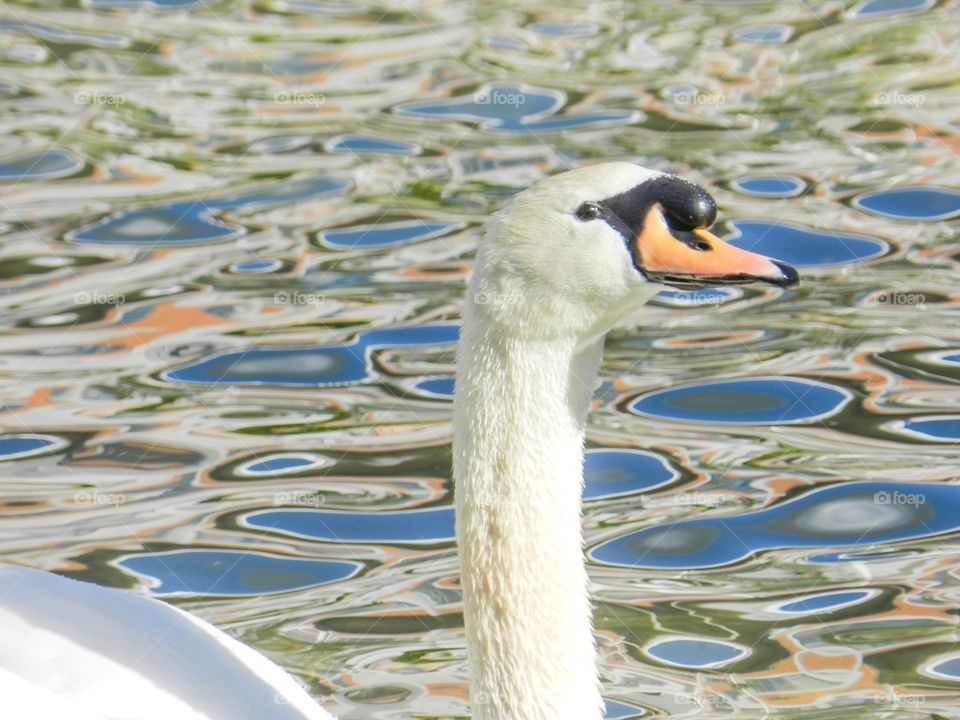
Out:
{"x": 363, "y": 145}
{"x": 695, "y": 652}
{"x": 194, "y": 222}
{"x": 222, "y": 573}
{"x": 772, "y": 186}
{"x": 385, "y": 234}
{"x": 22, "y": 445}
{"x": 841, "y": 515}
{"x": 804, "y": 247}
{"x": 316, "y": 366}
{"x": 889, "y": 7}
{"x": 276, "y": 464}
{"x": 818, "y": 603}
{"x": 257, "y": 267}
{"x": 698, "y": 298}
{"x": 750, "y": 401}
{"x": 936, "y": 429}
{"x": 515, "y": 108}
{"x": 765, "y": 34}
{"x": 232, "y": 264}
{"x": 399, "y": 527}
{"x": 42, "y": 165}
{"x": 918, "y": 203}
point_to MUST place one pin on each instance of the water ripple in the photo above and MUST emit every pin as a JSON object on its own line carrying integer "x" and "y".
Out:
{"x": 861, "y": 513}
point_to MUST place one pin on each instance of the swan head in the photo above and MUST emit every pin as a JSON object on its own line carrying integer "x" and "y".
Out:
{"x": 593, "y": 242}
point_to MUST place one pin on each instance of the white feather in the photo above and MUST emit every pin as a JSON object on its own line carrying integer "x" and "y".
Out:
{"x": 114, "y": 655}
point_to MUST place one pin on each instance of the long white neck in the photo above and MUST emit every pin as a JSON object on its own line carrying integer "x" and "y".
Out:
{"x": 519, "y": 415}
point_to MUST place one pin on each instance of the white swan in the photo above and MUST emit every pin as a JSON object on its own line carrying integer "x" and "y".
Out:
{"x": 561, "y": 264}
{"x": 76, "y": 650}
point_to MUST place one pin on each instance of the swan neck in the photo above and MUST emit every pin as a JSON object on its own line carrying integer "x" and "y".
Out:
{"x": 519, "y": 418}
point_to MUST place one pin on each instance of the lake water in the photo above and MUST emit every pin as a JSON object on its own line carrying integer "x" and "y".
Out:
{"x": 235, "y": 238}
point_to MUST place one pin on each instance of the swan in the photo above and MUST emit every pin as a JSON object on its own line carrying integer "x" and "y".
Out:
{"x": 562, "y": 263}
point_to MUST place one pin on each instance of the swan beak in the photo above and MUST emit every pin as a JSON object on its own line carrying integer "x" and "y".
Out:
{"x": 698, "y": 258}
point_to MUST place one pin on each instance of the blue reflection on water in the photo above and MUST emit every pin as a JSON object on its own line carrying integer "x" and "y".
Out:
{"x": 514, "y": 108}
{"x": 695, "y": 653}
{"x": 749, "y": 401}
{"x": 386, "y": 234}
{"x": 615, "y": 710}
{"x": 177, "y": 223}
{"x": 563, "y": 29}
{"x": 44, "y": 165}
{"x": 313, "y": 366}
{"x": 398, "y": 526}
{"x": 265, "y": 265}
{"x": 946, "y": 668}
{"x": 889, "y": 7}
{"x": 945, "y": 429}
{"x": 233, "y": 572}
{"x": 285, "y": 192}
{"x": 852, "y": 514}
{"x": 773, "y": 186}
{"x": 282, "y": 464}
{"x": 824, "y": 602}
{"x": 860, "y": 556}
{"x": 22, "y": 445}
{"x": 765, "y": 34}
{"x": 191, "y": 222}
{"x": 362, "y": 145}
{"x": 912, "y": 203}
{"x": 802, "y": 246}
{"x": 436, "y": 387}
{"x": 613, "y": 473}
{"x": 697, "y": 298}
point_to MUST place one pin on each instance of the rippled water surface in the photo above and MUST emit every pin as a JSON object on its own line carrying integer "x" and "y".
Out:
{"x": 235, "y": 238}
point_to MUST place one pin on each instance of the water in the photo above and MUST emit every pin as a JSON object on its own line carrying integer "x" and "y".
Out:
{"x": 234, "y": 245}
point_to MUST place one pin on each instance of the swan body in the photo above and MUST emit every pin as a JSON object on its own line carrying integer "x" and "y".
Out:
{"x": 76, "y": 650}
{"x": 561, "y": 264}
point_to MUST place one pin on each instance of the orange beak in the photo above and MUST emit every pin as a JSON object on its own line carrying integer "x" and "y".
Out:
{"x": 697, "y": 257}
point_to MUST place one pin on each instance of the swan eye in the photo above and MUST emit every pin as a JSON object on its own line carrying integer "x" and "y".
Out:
{"x": 589, "y": 211}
